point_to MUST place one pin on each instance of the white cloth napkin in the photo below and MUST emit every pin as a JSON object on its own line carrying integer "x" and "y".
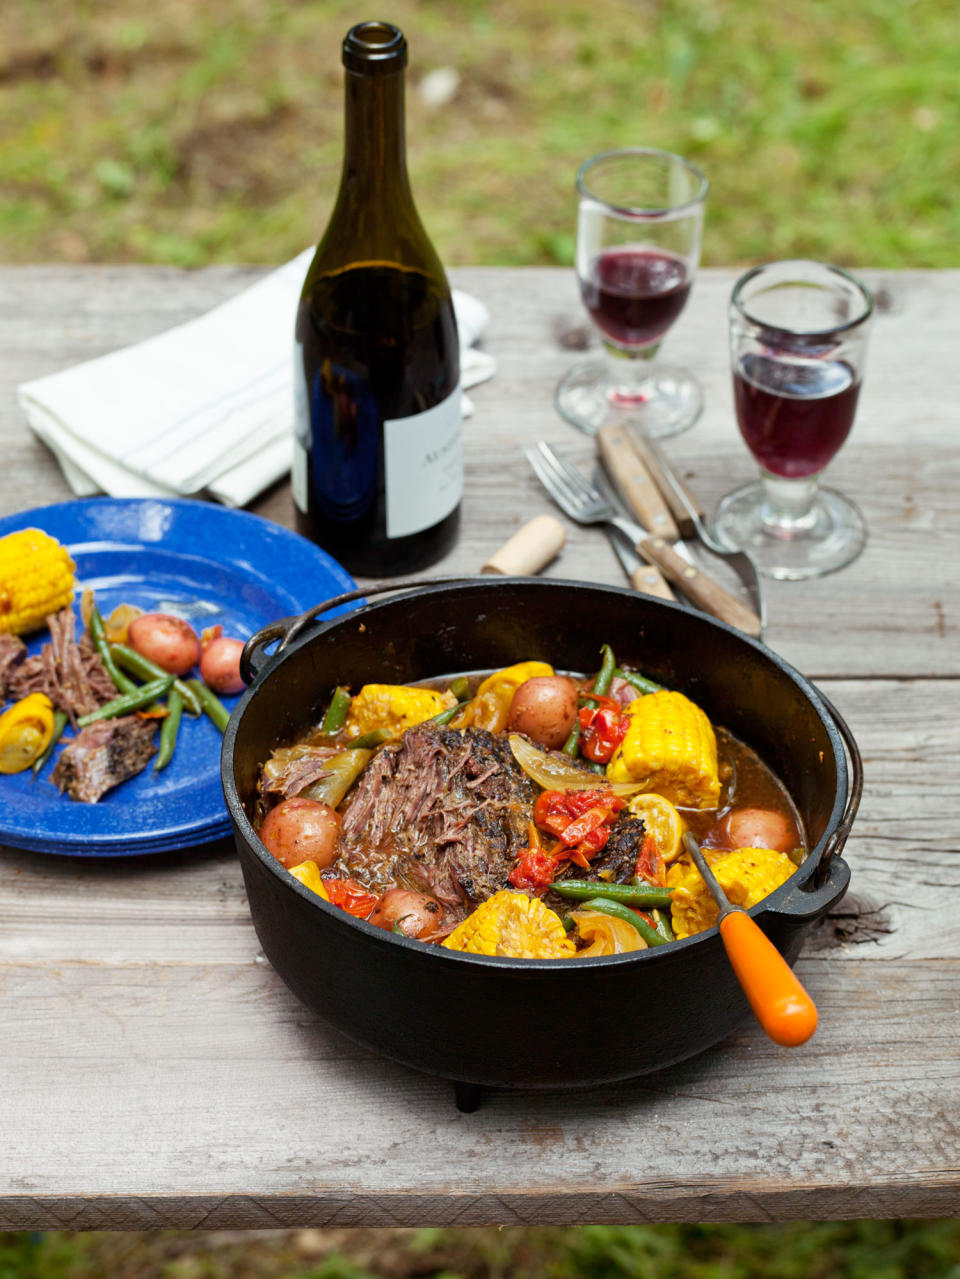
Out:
{"x": 206, "y": 407}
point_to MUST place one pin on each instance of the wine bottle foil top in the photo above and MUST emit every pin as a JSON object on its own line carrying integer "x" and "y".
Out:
{"x": 374, "y": 48}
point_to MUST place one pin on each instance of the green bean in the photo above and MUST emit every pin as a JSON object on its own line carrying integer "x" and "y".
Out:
{"x": 137, "y": 664}
{"x": 571, "y": 746}
{"x": 169, "y": 729}
{"x": 460, "y": 688}
{"x": 601, "y": 685}
{"x": 616, "y": 910}
{"x": 128, "y": 702}
{"x": 601, "y": 681}
{"x": 59, "y": 724}
{"x": 638, "y": 681}
{"x": 663, "y": 926}
{"x": 629, "y": 894}
{"x": 337, "y": 712}
{"x": 446, "y": 716}
{"x": 211, "y": 704}
{"x": 367, "y": 741}
{"x": 99, "y": 637}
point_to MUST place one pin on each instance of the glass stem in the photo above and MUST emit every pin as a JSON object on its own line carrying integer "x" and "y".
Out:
{"x": 628, "y": 372}
{"x": 787, "y": 504}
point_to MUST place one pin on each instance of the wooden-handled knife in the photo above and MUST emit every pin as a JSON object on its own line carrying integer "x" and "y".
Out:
{"x": 621, "y": 459}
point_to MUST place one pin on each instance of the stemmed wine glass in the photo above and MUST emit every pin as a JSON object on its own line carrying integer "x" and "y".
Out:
{"x": 639, "y": 226}
{"x": 798, "y": 342}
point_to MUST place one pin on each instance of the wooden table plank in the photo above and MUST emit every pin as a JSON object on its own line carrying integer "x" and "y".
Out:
{"x": 155, "y": 1071}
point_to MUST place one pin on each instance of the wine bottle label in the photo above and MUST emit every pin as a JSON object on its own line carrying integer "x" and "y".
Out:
{"x": 423, "y": 460}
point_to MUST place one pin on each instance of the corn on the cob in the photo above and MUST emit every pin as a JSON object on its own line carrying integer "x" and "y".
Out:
{"x": 512, "y": 924}
{"x": 36, "y": 579}
{"x": 394, "y": 707}
{"x": 669, "y": 748}
{"x": 746, "y": 876}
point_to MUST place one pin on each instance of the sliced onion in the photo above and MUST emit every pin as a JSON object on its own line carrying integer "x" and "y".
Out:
{"x": 555, "y": 771}
{"x": 605, "y": 935}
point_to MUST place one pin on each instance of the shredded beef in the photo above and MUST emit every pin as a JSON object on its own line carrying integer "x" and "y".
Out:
{"x": 71, "y": 674}
{"x": 443, "y": 811}
{"x": 104, "y": 755}
{"x": 289, "y": 771}
{"x": 12, "y": 653}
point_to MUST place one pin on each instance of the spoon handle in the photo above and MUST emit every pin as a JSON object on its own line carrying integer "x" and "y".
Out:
{"x": 779, "y": 1002}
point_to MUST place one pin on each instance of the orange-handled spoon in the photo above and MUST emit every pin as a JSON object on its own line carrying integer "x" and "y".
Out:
{"x": 780, "y": 1004}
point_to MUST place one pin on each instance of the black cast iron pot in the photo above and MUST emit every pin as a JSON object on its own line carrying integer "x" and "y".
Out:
{"x": 529, "y": 1023}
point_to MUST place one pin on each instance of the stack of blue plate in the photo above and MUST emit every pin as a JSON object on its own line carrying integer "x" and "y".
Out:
{"x": 203, "y": 562}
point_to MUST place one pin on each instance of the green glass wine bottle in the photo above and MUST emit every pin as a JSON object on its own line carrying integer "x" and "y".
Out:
{"x": 378, "y": 455}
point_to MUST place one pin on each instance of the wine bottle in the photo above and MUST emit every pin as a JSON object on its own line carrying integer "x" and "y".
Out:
{"x": 378, "y": 455}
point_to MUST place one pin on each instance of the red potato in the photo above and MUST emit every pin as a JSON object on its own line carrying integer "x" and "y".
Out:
{"x": 302, "y": 830}
{"x": 220, "y": 665}
{"x": 758, "y": 828}
{"x": 545, "y": 709}
{"x": 167, "y": 641}
{"x": 416, "y": 914}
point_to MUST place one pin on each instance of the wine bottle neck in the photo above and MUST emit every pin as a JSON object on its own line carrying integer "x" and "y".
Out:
{"x": 375, "y": 157}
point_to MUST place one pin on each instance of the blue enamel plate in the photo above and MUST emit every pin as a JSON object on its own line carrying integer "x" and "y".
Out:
{"x": 199, "y": 561}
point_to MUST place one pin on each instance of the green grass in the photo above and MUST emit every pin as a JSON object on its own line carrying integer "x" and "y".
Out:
{"x": 190, "y": 134}
{"x": 846, "y": 1250}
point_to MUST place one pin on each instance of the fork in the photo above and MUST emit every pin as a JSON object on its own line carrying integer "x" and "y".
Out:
{"x": 577, "y": 497}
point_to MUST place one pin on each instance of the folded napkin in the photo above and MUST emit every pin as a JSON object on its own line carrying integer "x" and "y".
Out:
{"x": 206, "y": 407}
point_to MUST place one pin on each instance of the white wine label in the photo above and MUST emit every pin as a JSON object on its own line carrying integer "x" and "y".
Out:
{"x": 301, "y": 430}
{"x": 298, "y": 475}
{"x": 423, "y": 460}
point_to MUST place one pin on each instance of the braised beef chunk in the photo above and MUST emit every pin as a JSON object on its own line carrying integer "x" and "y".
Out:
{"x": 104, "y": 755}
{"x": 12, "y": 652}
{"x": 442, "y": 810}
{"x": 621, "y": 850}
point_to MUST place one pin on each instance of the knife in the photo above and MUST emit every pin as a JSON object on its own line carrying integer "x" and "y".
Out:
{"x": 700, "y": 589}
{"x": 634, "y": 482}
{"x": 645, "y": 578}
{"x": 627, "y": 451}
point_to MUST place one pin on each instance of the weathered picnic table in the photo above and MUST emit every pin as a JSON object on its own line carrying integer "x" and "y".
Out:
{"x": 155, "y": 1071}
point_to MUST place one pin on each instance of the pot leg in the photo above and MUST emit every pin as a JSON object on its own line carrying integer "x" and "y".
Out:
{"x": 467, "y": 1096}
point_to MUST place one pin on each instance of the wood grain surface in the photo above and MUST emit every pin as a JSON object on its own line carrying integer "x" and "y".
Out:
{"x": 155, "y": 1071}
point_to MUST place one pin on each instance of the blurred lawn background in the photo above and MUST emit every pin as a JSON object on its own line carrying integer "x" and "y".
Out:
{"x": 187, "y": 133}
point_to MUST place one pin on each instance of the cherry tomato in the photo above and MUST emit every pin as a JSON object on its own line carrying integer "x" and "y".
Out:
{"x": 351, "y": 896}
{"x": 535, "y": 870}
{"x": 602, "y": 729}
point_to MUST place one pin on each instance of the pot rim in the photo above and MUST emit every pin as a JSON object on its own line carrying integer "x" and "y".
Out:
{"x": 319, "y": 626}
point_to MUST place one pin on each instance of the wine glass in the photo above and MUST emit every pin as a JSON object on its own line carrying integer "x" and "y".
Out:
{"x": 639, "y": 225}
{"x": 798, "y": 342}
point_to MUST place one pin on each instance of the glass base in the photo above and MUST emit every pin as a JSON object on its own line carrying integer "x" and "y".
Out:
{"x": 831, "y": 535}
{"x": 665, "y": 402}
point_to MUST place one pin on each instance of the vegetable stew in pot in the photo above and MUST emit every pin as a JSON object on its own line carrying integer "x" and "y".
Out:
{"x": 526, "y": 813}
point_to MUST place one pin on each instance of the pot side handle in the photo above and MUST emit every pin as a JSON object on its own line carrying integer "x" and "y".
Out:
{"x": 835, "y": 843}
{"x": 254, "y": 656}
{"x": 806, "y": 904}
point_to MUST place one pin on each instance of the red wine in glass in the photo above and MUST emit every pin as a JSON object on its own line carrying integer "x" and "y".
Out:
{"x": 794, "y": 414}
{"x": 634, "y": 295}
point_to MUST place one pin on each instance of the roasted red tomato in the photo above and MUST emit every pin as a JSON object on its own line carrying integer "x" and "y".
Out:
{"x": 602, "y": 729}
{"x": 351, "y": 896}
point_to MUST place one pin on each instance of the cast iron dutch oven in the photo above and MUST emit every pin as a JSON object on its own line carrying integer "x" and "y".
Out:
{"x": 527, "y": 1023}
